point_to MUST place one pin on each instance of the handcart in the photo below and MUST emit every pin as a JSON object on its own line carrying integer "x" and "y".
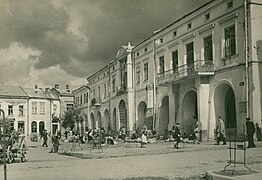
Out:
{"x": 16, "y": 148}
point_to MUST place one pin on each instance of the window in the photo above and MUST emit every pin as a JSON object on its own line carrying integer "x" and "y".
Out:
{"x": 207, "y": 16}
{"x": 99, "y": 92}
{"x": 175, "y": 60}
{"x": 161, "y": 40}
{"x": 34, "y": 107}
{"x": 145, "y": 50}
{"x": 208, "y": 48}
{"x": 138, "y": 74}
{"x": 174, "y": 33}
{"x": 146, "y": 71}
{"x": 113, "y": 83}
{"x": 230, "y": 41}
{"x": 190, "y": 54}
{"x": 229, "y": 4}
{"x": 189, "y": 25}
{"x": 94, "y": 93}
{"x": 137, "y": 54}
{"x": 42, "y": 108}
{"x": 161, "y": 65}
{"x": 54, "y": 107}
{"x": 10, "y": 110}
{"x": 86, "y": 97}
{"x": 69, "y": 106}
{"x": 104, "y": 91}
{"x": 81, "y": 99}
{"x": 21, "y": 110}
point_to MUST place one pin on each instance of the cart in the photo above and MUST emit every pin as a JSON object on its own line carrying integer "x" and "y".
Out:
{"x": 15, "y": 148}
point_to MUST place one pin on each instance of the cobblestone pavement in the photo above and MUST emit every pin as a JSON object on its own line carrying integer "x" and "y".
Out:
{"x": 157, "y": 161}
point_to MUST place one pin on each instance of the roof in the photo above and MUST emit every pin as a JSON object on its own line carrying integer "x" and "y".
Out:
{"x": 176, "y": 21}
{"x": 83, "y": 87}
{"x": 62, "y": 92}
{"x": 14, "y": 91}
{"x": 35, "y": 93}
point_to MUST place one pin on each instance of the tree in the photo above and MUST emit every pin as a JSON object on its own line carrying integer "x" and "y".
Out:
{"x": 70, "y": 118}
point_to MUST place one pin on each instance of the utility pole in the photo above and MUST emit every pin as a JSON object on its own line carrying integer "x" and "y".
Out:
{"x": 3, "y": 142}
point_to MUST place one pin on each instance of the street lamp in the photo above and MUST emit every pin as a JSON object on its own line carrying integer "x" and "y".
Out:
{"x": 97, "y": 104}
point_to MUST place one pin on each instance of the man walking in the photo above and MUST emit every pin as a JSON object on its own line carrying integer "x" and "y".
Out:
{"x": 221, "y": 134}
{"x": 45, "y": 138}
{"x": 250, "y": 132}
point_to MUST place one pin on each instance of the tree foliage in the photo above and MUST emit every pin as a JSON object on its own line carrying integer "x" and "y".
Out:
{"x": 70, "y": 118}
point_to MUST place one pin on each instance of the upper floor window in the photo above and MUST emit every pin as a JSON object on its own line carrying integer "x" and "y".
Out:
{"x": 208, "y": 48}
{"x": 21, "y": 110}
{"x": 42, "y": 108}
{"x": 99, "y": 92}
{"x": 34, "y": 107}
{"x": 54, "y": 107}
{"x": 207, "y": 16}
{"x": 94, "y": 93}
{"x": 113, "y": 83}
{"x": 189, "y": 25}
{"x": 190, "y": 54}
{"x": 229, "y": 4}
{"x": 138, "y": 74}
{"x": 137, "y": 54}
{"x": 81, "y": 99}
{"x": 86, "y": 98}
{"x": 69, "y": 106}
{"x": 145, "y": 50}
{"x": 146, "y": 71}
{"x": 175, "y": 60}
{"x": 174, "y": 33}
{"x": 161, "y": 65}
{"x": 230, "y": 41}
{"x": 105, "y": 91}
{"x": 10, "y": 109}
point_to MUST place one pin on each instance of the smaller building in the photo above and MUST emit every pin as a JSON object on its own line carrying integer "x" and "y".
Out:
{"x": 81, "y": 99}
{"x": 14, "y": 102}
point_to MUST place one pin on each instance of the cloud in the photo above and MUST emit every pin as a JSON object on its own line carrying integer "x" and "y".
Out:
{"x": 76, "y": 38}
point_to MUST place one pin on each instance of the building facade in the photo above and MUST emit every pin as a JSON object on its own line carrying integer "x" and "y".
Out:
{"x": 204, "y": 65}
{"x": 14, "y": 102}
{"x": 81, "y": 102}
{"x": 33, "y": 110}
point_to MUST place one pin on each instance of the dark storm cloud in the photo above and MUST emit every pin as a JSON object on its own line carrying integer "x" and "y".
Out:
{"x": 107, "y": 24}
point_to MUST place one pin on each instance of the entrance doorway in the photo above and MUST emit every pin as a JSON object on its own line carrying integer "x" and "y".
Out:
{"x": 225, "y": 105}
{"x": 190, "y": 110}
{"x": 164, "y": 117}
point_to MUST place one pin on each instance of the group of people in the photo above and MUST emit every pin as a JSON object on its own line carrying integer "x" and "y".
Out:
{"x": 54, "y": 140}
{"x": 251, "y": 129}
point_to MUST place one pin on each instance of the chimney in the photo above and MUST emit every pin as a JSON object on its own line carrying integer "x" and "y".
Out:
{"x": 56, "y": 86}
{"x": 67, "y": 88}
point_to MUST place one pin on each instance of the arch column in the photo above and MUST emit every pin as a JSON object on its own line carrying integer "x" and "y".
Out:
{"x": 203, "y": 109}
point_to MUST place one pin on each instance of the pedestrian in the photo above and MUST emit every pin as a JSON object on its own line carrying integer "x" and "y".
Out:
{"x": 250, "y": 128}
{"x": 258, "y": 132}
{"x": 197, "y": 135}
{"x": 220, "y": 130}
{"x": 144, "y": 137}
{"x": 176, "y": 135}
{"x": 123, "y": 134}
{"x": 45, "y": 138}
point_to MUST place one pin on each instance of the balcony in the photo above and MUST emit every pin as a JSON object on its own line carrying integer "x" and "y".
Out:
{"x": 187, "y": 71}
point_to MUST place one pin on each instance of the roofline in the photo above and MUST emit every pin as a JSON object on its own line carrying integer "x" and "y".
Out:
{"x": 80, "y": 88}
{"x": 171, "y": 24}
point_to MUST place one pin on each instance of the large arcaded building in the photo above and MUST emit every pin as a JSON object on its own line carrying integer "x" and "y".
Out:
{"x": 205, "y": 64}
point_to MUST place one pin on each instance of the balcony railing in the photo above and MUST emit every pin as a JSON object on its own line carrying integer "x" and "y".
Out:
{"x": 198, "y": 68}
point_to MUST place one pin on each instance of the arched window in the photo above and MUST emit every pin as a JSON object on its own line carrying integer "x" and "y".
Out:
{"x": 41, "y": 126}
{"x": 33, "y": 127}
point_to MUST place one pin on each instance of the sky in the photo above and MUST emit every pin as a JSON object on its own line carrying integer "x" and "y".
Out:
{"x": 47, "y": 42}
